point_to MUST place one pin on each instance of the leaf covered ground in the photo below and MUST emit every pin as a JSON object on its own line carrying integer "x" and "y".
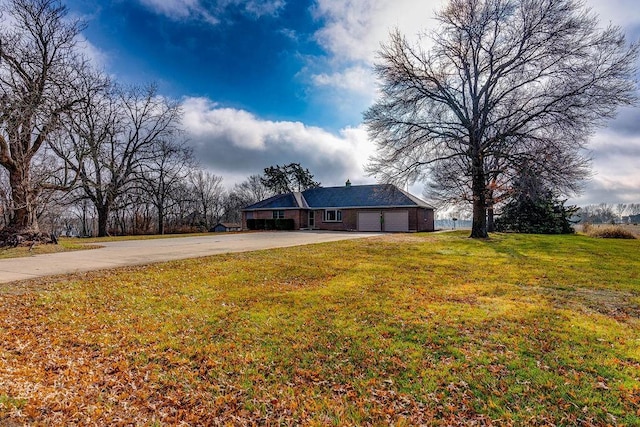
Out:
{"x": 401, "y": 329}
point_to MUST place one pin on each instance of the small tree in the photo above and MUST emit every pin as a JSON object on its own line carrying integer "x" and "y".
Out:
{"x": 162, "y": 175}
{"x": 533, "y": 208}
{"x": 288, "y": 178}
{"x": 208, "y": 194}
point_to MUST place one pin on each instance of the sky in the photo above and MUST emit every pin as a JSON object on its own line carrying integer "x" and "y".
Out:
{"x": 266, "y": 82}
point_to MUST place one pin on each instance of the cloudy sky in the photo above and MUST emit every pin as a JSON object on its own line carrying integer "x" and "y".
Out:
{"x": 268, "y": 82}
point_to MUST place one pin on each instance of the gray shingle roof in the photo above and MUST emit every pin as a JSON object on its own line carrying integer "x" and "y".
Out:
{"x": 354, "y": 196}
{"x": 379, "y": 195}
{"x": 279, "y": 201}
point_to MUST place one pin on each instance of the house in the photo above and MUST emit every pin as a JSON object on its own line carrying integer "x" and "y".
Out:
{"x": 226, "y": 226}
{"x": 380, "y": 207}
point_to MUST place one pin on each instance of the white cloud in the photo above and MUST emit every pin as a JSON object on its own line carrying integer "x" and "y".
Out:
{"x": 211, "y": 12}
{"x": 618, "y": 12}
{"x": 236, "y": 143}
{"x": 354, "y": 29}
{"x": 98, "y": 58}
{"x": 351, "y": 34}
{"x": 260, "y": 8}
{"x": 356, "y": 79}
{"x": 616, "y": 171}
{"x": 180, "y": 9}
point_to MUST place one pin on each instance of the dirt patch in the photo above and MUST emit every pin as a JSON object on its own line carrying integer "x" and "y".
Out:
{"x": 617, "y": 304}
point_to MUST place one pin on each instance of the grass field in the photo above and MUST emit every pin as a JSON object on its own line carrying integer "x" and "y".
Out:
{"x": 400, "y": 329}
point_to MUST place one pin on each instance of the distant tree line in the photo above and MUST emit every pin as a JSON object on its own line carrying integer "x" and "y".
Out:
{"x": 173, "y": 195}
{"x": 610, "y": 213}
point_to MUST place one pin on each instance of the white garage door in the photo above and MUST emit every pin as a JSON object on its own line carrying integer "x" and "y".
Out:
{"x": 396, "y": 221}
{"x": 369, "y": 221}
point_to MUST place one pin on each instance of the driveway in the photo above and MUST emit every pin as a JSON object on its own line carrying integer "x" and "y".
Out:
{"x": 139, "y": 252}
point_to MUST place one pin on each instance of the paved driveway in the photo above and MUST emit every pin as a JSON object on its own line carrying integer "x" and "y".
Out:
{"x": 137, "y": 252}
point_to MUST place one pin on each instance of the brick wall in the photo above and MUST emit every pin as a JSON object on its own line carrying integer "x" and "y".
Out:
{"x": 420, "y": 219}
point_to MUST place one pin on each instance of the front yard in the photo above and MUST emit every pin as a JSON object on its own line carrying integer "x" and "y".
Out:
{"x": 402, "y": 329}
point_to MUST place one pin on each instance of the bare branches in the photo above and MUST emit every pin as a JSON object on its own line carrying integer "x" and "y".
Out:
{"x": 40, "y": 69}
{"x": 505, "y": 82}
{"x": 121, "y": 138}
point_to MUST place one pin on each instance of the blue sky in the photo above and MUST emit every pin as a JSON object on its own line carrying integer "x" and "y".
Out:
{"x": 257, "y": 60}
{"x": 269, "y": 82}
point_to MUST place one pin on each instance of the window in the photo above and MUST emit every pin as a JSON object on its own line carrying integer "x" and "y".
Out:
{"x": 278, "y": 214}
{"x": 333, "y": 216}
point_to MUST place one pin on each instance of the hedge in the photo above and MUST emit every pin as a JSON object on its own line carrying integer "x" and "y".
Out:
{"x": 270, "y": 224}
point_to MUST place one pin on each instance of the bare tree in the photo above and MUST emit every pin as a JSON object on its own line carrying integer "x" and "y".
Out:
{"x": 252, "y": 190}
{"x": 39, "y": 69}
{"x": 162, "y": 174}
{"x": 511, "y": 80}
{"x": 621, "y": 209}
{"x": 246, "y": 193}
{"x": 634, "y": 208}
{"x": 208, "y": 194}
{"x": 112, "y": 141}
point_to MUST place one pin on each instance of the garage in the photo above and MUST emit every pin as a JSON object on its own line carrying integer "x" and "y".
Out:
{"x": 369, "y": 221}
{"x": 397, "y": 221}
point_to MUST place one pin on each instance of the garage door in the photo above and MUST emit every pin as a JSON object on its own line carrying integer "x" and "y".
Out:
{"x": 396, "y": 221}
{"x": 369, "y": 221}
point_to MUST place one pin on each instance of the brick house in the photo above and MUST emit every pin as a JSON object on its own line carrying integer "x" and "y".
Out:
{"x": 380, "y": 207}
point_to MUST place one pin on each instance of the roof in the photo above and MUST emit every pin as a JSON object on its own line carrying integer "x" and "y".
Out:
{"x": 352, "y": 196}
{"x": 279, "y": 201}
{"x": 228, "y": 224}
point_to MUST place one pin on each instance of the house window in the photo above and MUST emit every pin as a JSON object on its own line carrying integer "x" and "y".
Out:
{"x": 278, "y": 214}
{"x": 333, "y": 215}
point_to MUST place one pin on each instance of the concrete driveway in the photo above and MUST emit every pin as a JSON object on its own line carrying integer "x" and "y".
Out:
{"x": 139, "y": 252}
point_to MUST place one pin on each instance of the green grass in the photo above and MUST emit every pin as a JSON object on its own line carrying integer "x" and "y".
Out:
{"x": 401, "y": 329}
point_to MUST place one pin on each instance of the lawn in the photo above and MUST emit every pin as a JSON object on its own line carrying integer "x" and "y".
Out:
{"x": 400, "y": 329}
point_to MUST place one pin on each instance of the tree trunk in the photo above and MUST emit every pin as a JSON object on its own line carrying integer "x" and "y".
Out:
{"x": 24, "y": 219}
{"x": 23, "y": 229}
{"x": 490, "y": 223}
{"x": 160, "y": 220}
{"x": 103, "y": 219}
{"x": 478, "y": 186}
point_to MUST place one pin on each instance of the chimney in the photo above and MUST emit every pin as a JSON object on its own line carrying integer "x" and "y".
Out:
{"x": 347, "y": 184}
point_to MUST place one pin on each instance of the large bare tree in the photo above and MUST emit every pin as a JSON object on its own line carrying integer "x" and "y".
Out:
{"x": 114, "y": 139}
{"x": 40, "y": 66}
{"x": 502, "y": 81}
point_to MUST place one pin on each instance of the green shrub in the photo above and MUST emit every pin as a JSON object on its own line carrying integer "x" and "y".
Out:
{"x": 255, "y": 224}
{"x": 544, "y": 215}
{"x": 284, "y": 224}
{"x": 270, "y": 224}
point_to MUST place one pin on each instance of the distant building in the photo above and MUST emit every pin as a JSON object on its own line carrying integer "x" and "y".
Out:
{"x": 225, "y": 227}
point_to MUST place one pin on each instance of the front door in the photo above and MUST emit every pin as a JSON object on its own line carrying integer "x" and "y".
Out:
{"x": 312, "y": 219}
